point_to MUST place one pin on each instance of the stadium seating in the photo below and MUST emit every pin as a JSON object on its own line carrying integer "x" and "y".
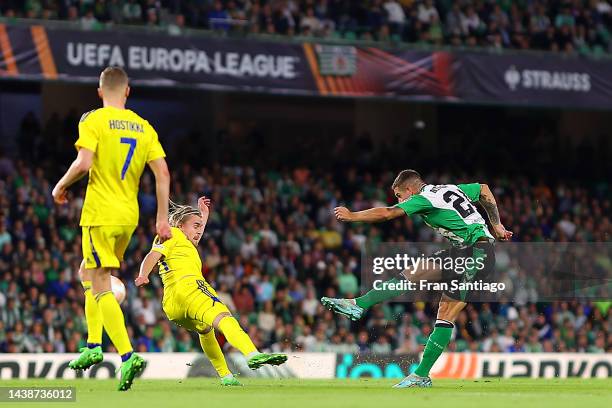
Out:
{"x": 566, "y": 26}
{"x": 272, "y": 250}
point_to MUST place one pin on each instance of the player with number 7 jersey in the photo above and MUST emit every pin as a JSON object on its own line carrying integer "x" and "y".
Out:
{"x": 114, "y": 145}
{"x": 123, "y": 143}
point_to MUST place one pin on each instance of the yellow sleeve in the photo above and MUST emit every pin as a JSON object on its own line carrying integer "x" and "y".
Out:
{"x": 163, "y": 248}
{"x": 156, "y": 150}
{"x": 88, "y": 135}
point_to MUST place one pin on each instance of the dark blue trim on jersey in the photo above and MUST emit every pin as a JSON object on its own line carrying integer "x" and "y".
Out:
{"x": 165, "y": 265}
{"x": 204, "y": 289}
{"x": 93, "y": 250}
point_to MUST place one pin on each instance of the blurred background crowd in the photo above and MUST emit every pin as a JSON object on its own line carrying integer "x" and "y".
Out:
{"x": 558, "y": 25}
{"x": 272, "y": 249}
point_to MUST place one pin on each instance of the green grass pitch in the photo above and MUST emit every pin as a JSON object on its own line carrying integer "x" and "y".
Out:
{"x": 367, "y": 393}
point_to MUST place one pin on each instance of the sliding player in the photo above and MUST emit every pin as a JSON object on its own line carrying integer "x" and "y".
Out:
{"x": 114, "y": 145}
{"x": 449, "y": 210}
{"x": 189, "y": 301}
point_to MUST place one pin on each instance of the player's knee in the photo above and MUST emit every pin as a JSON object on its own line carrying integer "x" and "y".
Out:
{"x": 101, "y": 272}
{"x": 100, "y": 281}
{"x": 85, "y": 274}
{"x": 220, "y": 316}
{"x": 446, "y": 315}
{"x": 449, "y": 311}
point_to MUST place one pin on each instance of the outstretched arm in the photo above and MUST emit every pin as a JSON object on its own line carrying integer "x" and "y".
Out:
{"x": 487, "y": 200}
{"x": 204, "y": 207}
{"x": 147, "y": 265}
{"x": 78, "y": 169}
{"x": 377, "y": 214}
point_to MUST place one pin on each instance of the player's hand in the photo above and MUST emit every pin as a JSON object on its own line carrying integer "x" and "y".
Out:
{"x": 59, "y": 194}
{"x": 500, "y": 233}
{"x": 342, "y": 214}
{"x": 141, "y": 280}
{"x": 204, "y": 204}
{"x": 162, "y": 228}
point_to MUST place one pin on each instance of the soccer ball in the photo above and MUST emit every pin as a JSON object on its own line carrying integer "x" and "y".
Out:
{"x": 118, "y": 289}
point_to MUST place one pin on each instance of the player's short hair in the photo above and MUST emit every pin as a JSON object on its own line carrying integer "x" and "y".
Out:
{"x": 177, "y": 214}
{"x": 113, "y": 78}
{"x": 406, "y": 176}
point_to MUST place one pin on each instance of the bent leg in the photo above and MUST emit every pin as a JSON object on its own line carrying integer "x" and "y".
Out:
{"x": 234, "y": 334}
{"x": 374, "y": 296}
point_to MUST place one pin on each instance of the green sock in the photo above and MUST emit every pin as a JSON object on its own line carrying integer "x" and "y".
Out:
{"x": 437, "y": 342}
{"x": 377, "y": 296}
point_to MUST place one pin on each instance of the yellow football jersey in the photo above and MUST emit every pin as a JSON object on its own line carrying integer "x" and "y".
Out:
{"x": 181, "y": 258}
{"x": 123, "y": 144}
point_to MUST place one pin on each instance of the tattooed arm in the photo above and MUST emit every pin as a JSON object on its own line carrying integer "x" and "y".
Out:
{"x": 487, "y": 200}
{"x": 488, "y": 203}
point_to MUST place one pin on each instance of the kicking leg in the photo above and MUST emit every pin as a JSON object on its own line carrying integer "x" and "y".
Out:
{"x": 204, "y": 306}
{"x": 355, "y": 308}
{"x": 448, "y": 311}
{"x": 239, "y": 339}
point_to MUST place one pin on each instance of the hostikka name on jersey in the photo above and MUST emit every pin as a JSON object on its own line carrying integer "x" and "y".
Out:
{"x": 125, "y": 125}
{"x": 452, "y": 285}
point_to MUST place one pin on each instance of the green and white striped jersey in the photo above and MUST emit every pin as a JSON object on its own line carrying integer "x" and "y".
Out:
{"x": 448, "y": 209}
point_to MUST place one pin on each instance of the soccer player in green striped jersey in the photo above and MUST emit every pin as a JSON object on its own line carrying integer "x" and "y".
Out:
{"x": 448, "y": 209}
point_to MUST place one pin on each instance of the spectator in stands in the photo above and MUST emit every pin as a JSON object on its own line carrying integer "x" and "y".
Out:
{"x": 396, "y": 17}
{"x": 132, "y": 12}
{"x": 427, "y": 12}
{"x": 218, "y": 17}
{"x": 311, "y": 21}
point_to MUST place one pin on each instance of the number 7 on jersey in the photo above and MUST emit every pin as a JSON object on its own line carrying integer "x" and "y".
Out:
{"x": 132, "y": 143}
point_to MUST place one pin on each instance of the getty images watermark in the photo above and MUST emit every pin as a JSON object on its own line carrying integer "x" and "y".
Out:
{"x": 500, "y": 272}
{"x": 433, "y": 273}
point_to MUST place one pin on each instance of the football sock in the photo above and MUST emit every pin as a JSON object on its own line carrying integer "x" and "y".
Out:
{"x": 93, "y": 317}
{"x": 113, "y": 320}
{"x": 437, "y": 342}
{"x": 125, "y": 357}
{"x": 377, "y": 296}
{"x": 211, "y": 348}
{"x": 236, "y": 336}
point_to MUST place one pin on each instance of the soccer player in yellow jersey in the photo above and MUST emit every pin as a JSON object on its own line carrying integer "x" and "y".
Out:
{"x": 114, "y": 145}
{"x": 189, "y": 301}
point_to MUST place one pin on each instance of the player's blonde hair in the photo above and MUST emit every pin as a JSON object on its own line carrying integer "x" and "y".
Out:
{"x": 113, "y": 79}
{"x": 177, "y": 213}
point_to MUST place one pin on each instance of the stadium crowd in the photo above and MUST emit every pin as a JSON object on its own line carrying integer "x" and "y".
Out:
{"x": 272, "y": 249}
{"x": 557, "y": 25}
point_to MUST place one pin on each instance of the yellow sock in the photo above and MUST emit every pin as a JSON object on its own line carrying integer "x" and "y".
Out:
{"x": 113, "y": 320}
{"x": 236, "y": 336}
{"x": 92, "y": 315}
{"x": 213, "y": 351}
